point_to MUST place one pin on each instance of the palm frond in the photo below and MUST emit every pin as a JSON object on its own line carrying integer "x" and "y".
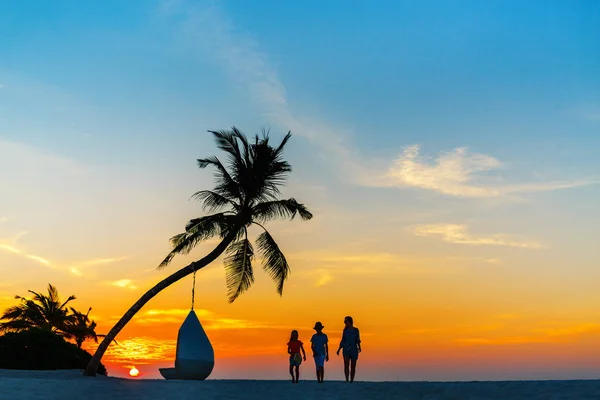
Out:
{"x": 226, "y": 185}
{"x": 288, "y": 208}
{"x": 197, "y": 230}
{"x": 212, "y": 201}
{"x": 269, "y": 171}
{"x": 238, "y": 268}
{"x": 71, "y": 298}
{"x": 274, "y": 262}
{"x": 246, "y": 153}
{"x": 279, "y": 149}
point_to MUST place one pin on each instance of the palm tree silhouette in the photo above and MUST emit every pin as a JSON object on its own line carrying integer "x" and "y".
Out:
{"x": 42, "y": 311}
{"x": 246, "y": 193}
{"x": 81, "y": 328}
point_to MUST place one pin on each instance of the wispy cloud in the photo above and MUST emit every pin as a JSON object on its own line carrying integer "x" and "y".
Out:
{"x": 456, "y": 233}
{"x": 124, "y": 283}
{"x": 539, "y": 335}
{"x": 140, "y": 350}
{"x": 454, "y": 173}
{"x": 19, "y": 156}
{"x": 209, "y": 319}
{"x": 330, "y": 266}
{"x": 39, "y": 259}
{"x": 460, "y": 173}
{"x": 11, "y": 247}
{"x": 100, "y": 261}
{"x": 78, "y": 267}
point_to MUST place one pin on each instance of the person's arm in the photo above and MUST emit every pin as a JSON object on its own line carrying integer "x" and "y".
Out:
{"x": 358, "y": 340}
{"x": 303, "y": 352}
{"x": 289, "y": 349}
{"x": 341, "y": 343}
{"x": 312, "y": 347}
{"x": 327, "y": 350}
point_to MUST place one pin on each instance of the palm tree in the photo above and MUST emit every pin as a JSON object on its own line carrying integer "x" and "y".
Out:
{"x": 42, "y": 311}
{"x": 246, "y": 193}
{"x": 81, "y": 328}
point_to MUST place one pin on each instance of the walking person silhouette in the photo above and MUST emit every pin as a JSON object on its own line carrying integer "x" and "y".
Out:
{"x": 350, "y": 344}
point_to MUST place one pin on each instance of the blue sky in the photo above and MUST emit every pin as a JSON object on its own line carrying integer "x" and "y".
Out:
{"x": 461, "y": 128}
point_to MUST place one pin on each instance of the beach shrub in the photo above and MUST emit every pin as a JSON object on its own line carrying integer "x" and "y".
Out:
{"x": 39, "y": 349}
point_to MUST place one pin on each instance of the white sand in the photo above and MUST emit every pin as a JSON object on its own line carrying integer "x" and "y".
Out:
{"x": 71, "y": 385}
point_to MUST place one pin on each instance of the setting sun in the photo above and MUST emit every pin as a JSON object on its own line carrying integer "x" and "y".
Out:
{"x": 134, "y": 372}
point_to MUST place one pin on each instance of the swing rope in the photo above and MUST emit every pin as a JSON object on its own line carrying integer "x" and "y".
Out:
{"x": 193, "y": 290}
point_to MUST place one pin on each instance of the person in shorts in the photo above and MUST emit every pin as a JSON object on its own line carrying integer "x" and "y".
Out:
{"x": 320, "y": 349}
{"x": 350, "y": 343}
{"x": 294, "y": 348}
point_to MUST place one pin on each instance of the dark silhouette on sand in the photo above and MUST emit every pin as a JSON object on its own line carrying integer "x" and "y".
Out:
{"x": 350, "y": 344}
{"x": 320, "y": 347}
{"x": 295, "y": 346}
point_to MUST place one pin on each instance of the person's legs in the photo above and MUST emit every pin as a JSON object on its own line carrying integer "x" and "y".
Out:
{"x": 319, "y": 363}
{"x": 346, "y": 365}
{"x": 297, "y": 373}
{"x": 353, "y": 368}
{"x": 317, "y": 366}
{"x": 292, "y": 371}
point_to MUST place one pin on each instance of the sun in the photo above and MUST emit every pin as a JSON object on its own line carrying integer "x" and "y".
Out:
{"x": 134, "y": 372}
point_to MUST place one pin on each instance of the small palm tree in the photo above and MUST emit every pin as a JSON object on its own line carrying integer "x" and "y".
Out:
{"x": 246, "y": 194}
{"x": 81, "y": 328}
{"x": 42, "y": 311}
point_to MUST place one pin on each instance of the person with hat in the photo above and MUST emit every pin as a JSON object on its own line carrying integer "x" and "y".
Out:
{"x": 320, "y": 350}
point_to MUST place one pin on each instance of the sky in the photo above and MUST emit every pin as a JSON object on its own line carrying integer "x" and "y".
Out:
{"x": 447, "y": 149}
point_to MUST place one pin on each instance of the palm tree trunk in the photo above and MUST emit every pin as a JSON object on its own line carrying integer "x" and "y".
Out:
{"x": 94, "y": 363}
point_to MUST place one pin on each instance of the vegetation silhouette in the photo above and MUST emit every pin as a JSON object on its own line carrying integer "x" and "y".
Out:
{"x": 45, "y": 312}
{"x": 35, "y": 333}
{"x": 48, "y": 312}
{"x": 246, "y": 193}
{"x": 41, "y": 349}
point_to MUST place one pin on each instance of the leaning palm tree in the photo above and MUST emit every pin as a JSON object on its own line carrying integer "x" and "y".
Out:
{"x": 246, "y": 194}
{"x": 42, "y": 311}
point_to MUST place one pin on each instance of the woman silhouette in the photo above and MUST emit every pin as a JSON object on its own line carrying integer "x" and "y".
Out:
{"x": 350, "y": 343}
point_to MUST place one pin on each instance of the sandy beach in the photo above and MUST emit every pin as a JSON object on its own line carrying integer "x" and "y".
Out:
{"x": 50, "y": 385}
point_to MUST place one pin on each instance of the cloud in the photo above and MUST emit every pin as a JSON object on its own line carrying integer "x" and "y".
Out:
{"x": 456, "y": 233}
{"x": 507, "y": 340}
{"x": 541, "y": 335}
{"x": 38, "y": 259}
{"x": 454, "y": 173}
{"x": 124, "y": 283}
{"x": 140, "y": 350}
{"x": 459, "y": 173}
{"x": 20, "y": 157}
{"x": 240, "y": 55}
{"x": 76, "y": 268}
{"x": 100, "y": 261}
{"x": 12, "y": 248}
{"x": 208, "y": 318}
{"x": 575, "y": 330}
{"x": 329, "y": 266}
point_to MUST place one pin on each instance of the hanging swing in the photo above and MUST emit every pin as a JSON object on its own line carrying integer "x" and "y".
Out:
{"x": 194, "y": 357}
